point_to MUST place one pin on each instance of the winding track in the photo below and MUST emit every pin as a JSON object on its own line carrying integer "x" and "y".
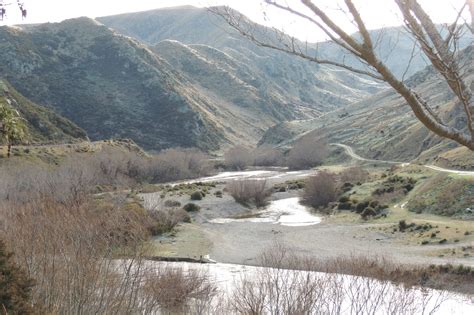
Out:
{"x": 355, "y": 156}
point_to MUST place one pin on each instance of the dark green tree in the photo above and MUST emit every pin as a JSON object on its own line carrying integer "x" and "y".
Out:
{"x": 15, "y": 286}
{"x": 12, "y": 126}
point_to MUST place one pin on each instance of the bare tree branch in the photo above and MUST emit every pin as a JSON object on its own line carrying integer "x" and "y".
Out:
{"x": 442, "y": 53}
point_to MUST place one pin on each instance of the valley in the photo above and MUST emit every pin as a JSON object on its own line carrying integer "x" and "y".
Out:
{"x": 189, "y": 160}
{"x": 341, "y": 234}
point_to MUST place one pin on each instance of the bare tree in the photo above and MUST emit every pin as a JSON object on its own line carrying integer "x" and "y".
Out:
{"x": 320, "y": 190}
{"x": 249, "y": 191}
{"x": 308, "y": 152}
{"x": 441, "y": 50}
{"x": 238, "y": 157}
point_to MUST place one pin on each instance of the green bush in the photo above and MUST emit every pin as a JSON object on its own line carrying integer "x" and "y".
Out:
{"x": 172, "y": 204}
{"x": 15, "y": 286}
{"x": 368, "y": 212}
{"x": 361, "y": 206}
{"x": 218, "y": 194}
{"x": 344, "y": 199}
{"x": 191, "y": 207}
{"x": 402, "y": 225}
{"x": 344, "y": 206}
{"x": 197, "y": 195}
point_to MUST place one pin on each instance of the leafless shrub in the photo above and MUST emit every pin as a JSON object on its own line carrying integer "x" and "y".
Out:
{"x": 68, "y": 250}
{"x": 320, "y": 190}
{"x": 277, "y": 289}
{"x": 175, "y": 164}
{"x": 165, "y": 220}
{"x": 355, "y": 174}
{"x": 308, "y": 152}
{"x": 175, "y": 290}
{"x": 267, "y": 156}
{"x": 238, "y": 157}
{"x": 249, "y": 191}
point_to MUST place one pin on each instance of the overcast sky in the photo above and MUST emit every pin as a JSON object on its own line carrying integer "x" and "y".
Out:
{"x": 377, "y": 13}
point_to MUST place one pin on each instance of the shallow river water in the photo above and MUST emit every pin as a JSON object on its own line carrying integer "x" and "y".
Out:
{"x": 289, "y": 212}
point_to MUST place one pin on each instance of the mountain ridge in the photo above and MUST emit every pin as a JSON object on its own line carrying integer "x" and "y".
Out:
{"x": 169, "y": 94}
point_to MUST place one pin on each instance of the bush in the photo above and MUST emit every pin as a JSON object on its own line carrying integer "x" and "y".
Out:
{"x": 172, "y": 204}
{"x": 266, "y": 156}
{"x": 368, "y": 212}
{"x": 320, "y": 190}
{"x": 355, "y": 174}
{"x": 174, "y": 288}
{"x": 344, "y": 206}
{"x": 346, "y": 187}
{"x": 166, "y": 220}
{"x": 402, "y": 225}
{"x": 362, "y": 205}
{"x": 218, "y": 194}
{"x": 176, "y": 164}
{"x": 344, "y": 199}
{"x": 191, "y": 207}
{"x": 197, "y": 195}
{"x": 308, "y": 152}
{"x": 237, "y": 158}
{"x": 249, "y": 191}
{"x": 15, "y": 286}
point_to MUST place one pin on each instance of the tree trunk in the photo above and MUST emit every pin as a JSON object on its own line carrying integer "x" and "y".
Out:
{"x": 9, "y": 151}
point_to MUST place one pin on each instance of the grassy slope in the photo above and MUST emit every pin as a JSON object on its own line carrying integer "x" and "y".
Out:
{"x": 44, "y": 124}
{"x": 383, "y": 126}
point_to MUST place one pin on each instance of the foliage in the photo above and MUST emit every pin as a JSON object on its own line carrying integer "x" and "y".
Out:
{"x": 191, "y": 207}
{"x": 12, "y": 126}
{"x": 15, "y": 286}
{"x": 197, "y": 195}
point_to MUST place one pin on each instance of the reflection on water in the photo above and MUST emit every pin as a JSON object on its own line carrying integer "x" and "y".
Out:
{"x": 288, "y": 212}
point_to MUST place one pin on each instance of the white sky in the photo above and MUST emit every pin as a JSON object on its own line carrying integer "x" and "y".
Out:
{"x": 377, "y": 13}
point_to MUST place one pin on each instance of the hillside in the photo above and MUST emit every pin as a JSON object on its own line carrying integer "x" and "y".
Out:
{"x": 110, "y": 85}
{"x": 303, "y": 83}
{"x": 395, "y": 46}
{"x": 44, "y": 125}
{"x": 172, "y": 93}
{"x": 383, "y": 126}
{"x": 191, "y": 25}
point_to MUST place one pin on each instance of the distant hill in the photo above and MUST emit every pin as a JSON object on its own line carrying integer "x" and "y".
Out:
{"x": 396, "y": 47}
{"x": 297, "y": 81}
{"x": 171, "y": 93}
{"x": 384, "y": 127}
{"x": 191, "y": 25}
{"x": 44, "y": 125}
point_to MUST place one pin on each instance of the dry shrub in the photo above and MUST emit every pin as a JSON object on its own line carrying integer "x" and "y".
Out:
{"x": 68, "y": 250}
{"x": 355, "y": 174}
{"x": 248, "y": 192}
{"x": 81, "y": 174}
{"x": 290, "y": 286}
{"x": 267, "y": 156}
{"x": 175, "y": 290}
{"x": 237, "y": 158}
{"x": 320, "y": 190}
{"x": 176, "y": 164}
{"x": 308, "y": 152}
{"x": 167, "y": 219}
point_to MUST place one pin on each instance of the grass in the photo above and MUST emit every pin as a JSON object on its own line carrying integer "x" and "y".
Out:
{"x": 450, "y": 228}
{"x": 180, "y": 189}
{"x": 55, "y": 153}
